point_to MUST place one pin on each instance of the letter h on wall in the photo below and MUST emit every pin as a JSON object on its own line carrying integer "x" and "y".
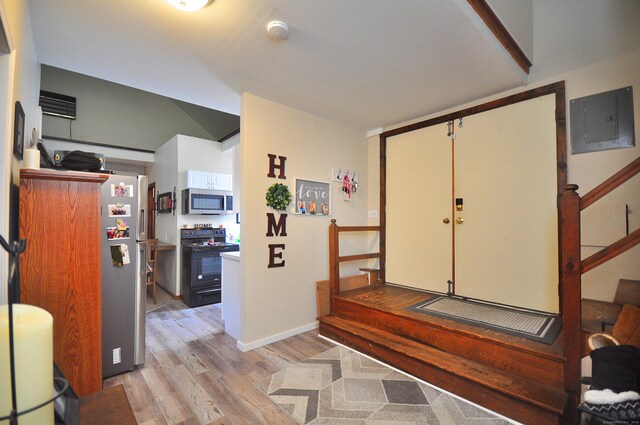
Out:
{"x": 273, "y": 166}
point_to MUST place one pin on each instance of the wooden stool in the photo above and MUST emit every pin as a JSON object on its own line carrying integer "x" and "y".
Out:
{"x": 152, "y": 256}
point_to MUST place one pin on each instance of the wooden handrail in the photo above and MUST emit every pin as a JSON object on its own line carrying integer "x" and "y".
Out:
{"x": 613, "y": 250}
{"x": 610, "y": 184}
{"x": 358, "y": 228}
{"x": 572, "y": 268}
{"x": 357, "y": 257}
{"x": 335, "y": 259}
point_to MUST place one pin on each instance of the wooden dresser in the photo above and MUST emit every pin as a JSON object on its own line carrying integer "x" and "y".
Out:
{"x": 61, "y": 266}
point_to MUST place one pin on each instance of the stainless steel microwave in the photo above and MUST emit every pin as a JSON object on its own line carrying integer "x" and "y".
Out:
{"x": 204, "y": 201}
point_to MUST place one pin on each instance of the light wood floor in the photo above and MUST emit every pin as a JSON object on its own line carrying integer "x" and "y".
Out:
{"x": 194, "y": 374}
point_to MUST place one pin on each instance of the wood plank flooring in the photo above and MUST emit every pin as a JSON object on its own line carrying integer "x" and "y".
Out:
{"x": 194, "y": 374}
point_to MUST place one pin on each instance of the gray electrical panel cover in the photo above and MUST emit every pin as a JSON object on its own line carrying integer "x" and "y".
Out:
{"x": 602, "y": 121}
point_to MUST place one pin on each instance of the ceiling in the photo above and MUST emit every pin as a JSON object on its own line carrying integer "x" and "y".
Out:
{"x": 363, "y": 63}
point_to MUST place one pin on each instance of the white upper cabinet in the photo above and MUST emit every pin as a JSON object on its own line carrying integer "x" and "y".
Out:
{"x": 197, "y": 179}
{"x": 222, "y": 181}
{"x": 207, "y": 180}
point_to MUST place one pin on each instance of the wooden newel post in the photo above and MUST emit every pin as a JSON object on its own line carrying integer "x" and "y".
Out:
{"x": 334, "y": 264}
{"x": 571, "y": 290}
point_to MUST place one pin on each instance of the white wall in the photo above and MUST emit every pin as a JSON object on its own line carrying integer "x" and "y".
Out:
{"x": 19, "y": 81}
{"x": 281, "y": 301}
{"x": 6, "y": 115}
{"x": 164, "y": 172}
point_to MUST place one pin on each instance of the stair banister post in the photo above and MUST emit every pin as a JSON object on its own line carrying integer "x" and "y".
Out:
{"x": 571, "y": 290}
{"x": 334, "y": 264}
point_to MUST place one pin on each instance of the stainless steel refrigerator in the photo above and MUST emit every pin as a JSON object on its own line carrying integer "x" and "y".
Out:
{"x": 124, "y": 270}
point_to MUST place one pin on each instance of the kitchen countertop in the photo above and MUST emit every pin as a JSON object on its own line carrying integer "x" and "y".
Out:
{"x": 165, "y": 246}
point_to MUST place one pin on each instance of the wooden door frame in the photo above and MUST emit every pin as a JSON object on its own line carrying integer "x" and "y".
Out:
{"x": 151, "y": 211}
{"x": 561, "y": 150}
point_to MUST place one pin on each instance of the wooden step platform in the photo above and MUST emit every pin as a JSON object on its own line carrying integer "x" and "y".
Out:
{"x": 515, "y": 377}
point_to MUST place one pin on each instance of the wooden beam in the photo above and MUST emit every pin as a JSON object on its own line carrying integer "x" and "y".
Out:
{"x": 613, "y": 250}
{"x": 383, "y": 209}
{"x": 561, "y": 137}
{"x": 494, "y": 24}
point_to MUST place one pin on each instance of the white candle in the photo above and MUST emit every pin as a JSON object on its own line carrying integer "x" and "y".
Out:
{"x": 33, "y": 344}
{"x": 32, "y": 159}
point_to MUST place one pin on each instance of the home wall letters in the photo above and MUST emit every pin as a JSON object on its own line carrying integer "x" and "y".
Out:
{"x": 279, "y": 227}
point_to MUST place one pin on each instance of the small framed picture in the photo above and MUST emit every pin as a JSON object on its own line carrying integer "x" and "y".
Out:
{"x": 122, "y": 190}
{"x": 18, "y": 131}
{"x": 116, "y": 233}
{"x": 312, "y": 198}
{"x": 119, "y": 210}
{"x": 165, "y": 203}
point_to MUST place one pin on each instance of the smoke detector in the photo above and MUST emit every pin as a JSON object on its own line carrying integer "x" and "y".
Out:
{"x": 278, "y": 29}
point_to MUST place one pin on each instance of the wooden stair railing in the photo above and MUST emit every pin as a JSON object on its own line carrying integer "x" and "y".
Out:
{"x": 610, "y": 184}
{"x": 335, "y": 259}
{"x": 572, "y": 267}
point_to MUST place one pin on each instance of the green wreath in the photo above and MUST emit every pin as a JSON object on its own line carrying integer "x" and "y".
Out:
{"x": 278, "y": 196}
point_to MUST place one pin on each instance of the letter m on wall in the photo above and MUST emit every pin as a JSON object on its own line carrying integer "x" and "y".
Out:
{"x": 279, "y": 228}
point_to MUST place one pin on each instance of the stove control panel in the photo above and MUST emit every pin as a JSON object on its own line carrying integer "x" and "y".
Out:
{"x": 203, "y": 233}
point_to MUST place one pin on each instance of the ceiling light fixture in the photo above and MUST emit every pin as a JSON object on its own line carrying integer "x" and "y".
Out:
{"x": 189, "y": 5}
{"x": 278, "y": 29}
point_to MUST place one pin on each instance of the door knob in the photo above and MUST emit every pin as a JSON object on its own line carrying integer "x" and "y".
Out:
{"x": 459, "y": 220}
{"x": 445, "y": 221}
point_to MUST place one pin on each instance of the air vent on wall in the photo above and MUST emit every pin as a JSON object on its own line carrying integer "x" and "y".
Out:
{"x": 58, "y": 105}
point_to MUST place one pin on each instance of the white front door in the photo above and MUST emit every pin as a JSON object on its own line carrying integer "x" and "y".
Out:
{"x": 506, "y": 248}
{"x": 418, "y": 245}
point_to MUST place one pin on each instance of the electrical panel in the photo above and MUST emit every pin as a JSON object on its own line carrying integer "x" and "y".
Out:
{"x": 602, "y": 121}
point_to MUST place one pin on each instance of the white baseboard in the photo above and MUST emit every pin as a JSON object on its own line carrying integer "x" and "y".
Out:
{"x": 242, "y": 346}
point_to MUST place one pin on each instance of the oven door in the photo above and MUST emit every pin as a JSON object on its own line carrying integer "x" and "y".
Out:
{"x": 206, "y": 268}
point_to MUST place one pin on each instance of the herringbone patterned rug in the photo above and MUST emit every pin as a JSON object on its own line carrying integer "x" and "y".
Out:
{"x": 340, "y": 386}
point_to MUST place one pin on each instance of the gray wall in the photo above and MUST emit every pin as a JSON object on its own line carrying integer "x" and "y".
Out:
{"x": 117, "y": 115}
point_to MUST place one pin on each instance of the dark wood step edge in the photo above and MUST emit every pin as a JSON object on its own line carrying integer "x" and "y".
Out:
{"x": 550, "y": 356}
{"x": 552, "y": 400}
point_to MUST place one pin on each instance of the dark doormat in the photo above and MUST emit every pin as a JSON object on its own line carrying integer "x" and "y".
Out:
{"x": 529, "y": 324}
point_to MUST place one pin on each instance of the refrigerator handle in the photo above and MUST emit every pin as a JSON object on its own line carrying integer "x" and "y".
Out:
{"x": 141, "y": 221}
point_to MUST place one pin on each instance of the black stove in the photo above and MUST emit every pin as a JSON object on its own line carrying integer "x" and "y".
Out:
{"x": 207, "y": 237}
{"x": 201, "y": 271}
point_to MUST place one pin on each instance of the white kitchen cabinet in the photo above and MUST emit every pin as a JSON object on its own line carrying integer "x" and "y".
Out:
{"x": 197, "y": 179}
{"x": 222, "y": 181}
{"x": 207, "y": 180}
